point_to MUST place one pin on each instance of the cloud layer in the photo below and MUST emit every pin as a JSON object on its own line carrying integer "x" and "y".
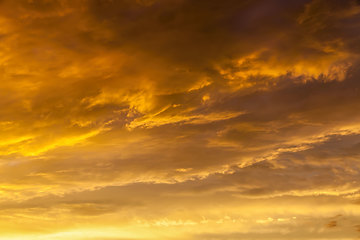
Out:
{"x": 180, "y": 119}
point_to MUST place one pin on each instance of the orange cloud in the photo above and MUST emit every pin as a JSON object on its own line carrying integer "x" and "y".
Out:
{"x": 212, "y": 120}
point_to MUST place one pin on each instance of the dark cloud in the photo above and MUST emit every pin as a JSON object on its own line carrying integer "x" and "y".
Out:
{"x": 332, "y": 224}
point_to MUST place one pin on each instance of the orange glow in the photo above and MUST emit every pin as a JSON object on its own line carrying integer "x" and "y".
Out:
{"x": 182, "y": 119}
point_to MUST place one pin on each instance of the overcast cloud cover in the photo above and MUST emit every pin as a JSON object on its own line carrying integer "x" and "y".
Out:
{"x": 179, "y": 119}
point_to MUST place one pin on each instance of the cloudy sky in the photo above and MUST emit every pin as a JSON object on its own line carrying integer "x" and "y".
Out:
{"x": 179, "y": 119}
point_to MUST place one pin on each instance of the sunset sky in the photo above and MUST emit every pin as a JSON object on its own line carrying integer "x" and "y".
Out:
{"x": 179, "y": 119}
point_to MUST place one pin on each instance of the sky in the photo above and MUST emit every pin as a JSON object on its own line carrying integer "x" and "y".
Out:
{"x": 179, "y": 119}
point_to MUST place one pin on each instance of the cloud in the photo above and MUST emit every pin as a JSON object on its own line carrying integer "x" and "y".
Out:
{"x": 331, "y": 224}
{"x": 138, "y": 119}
